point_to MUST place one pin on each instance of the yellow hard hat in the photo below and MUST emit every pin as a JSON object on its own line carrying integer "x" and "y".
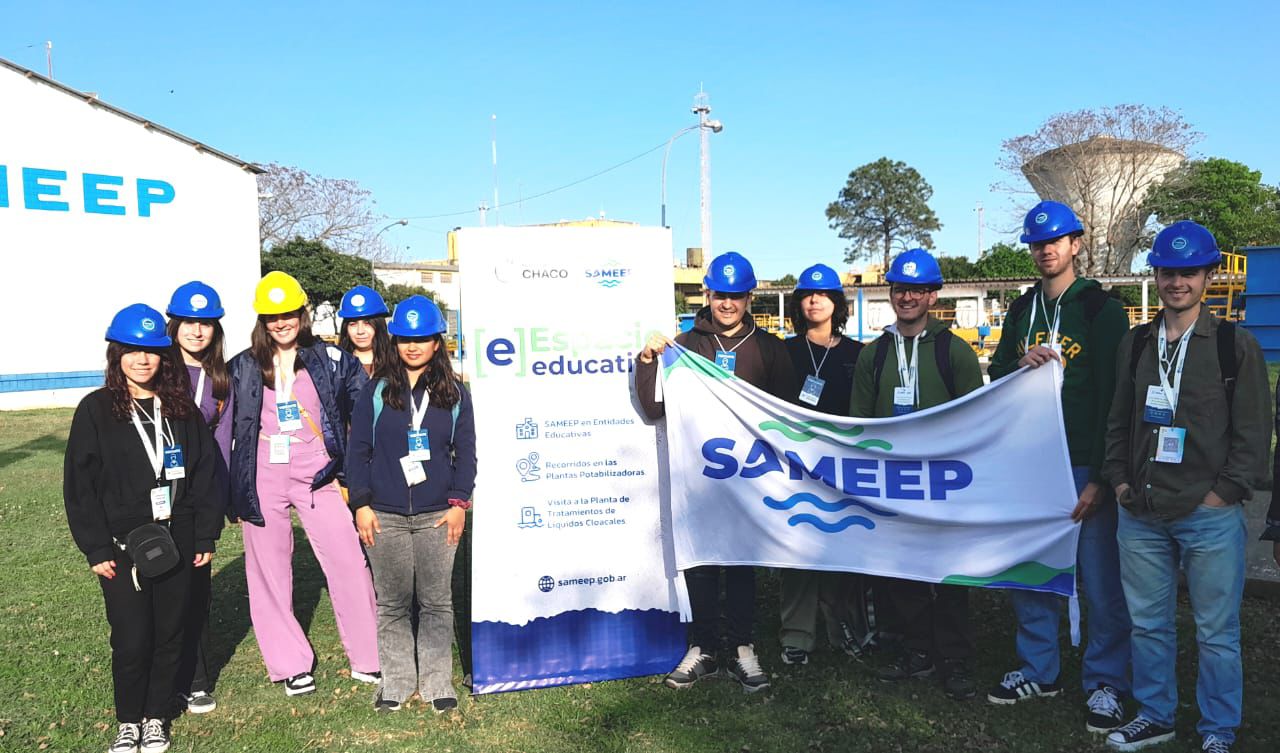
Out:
{"x": 278, "y": 293}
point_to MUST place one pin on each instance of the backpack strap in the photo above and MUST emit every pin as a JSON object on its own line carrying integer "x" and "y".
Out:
{"x": 1020, "y": 304}
{"x": 1141, "y": 333}
{"x": 1093, "y": 299}
{"x": 942, "y": 355}
{"x": 881, "y": 355}
{"x": 1227, "y": 358}
{"x": 378, "y": 386}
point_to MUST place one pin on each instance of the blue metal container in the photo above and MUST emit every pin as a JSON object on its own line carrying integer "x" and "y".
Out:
{"x": 1262, "y": 298}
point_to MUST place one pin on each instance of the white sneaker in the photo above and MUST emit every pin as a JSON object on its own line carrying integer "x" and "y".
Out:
{"x": 300, "y": 684}
{"x": 126, "y": 739}
{"x": 370, "y": 677}
{"x": 155, "y": 736}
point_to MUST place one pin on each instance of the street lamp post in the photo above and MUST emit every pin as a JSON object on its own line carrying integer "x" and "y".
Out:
{"x": 708, "y": 127}
{"x": 373, "y": 275}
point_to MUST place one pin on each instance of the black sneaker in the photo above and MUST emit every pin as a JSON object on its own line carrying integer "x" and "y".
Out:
{"x": 793, "y": 655}
{"x": 385, "y": 705}
{"x": 199, "y": 702}
{"x": 693, "y": 667}
{"x": 155, "y": 736}
{"x": 300, "y": 684}
{"x": 127, "y": 738}
{"x": 957, "y": 680}
{"x": 441, "y": 705}
{"x": 1138, "y": 734}
{"x": 1215, "y": 744}
{"x": 1016, "y": 687}
{"x": 745, "y": 668}
{"x": 1105, "y": 711}
{"x": 908, "y": 664}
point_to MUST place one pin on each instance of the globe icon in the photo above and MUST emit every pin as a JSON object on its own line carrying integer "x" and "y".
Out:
{"x": 546, "y": 583}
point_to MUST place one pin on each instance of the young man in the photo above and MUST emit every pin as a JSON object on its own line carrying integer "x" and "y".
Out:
{"x": 1071, "y": 319}
{"x": 1187, "y": 441}
{"x": 916, "y": 364}
{"x": 723, "y": 332}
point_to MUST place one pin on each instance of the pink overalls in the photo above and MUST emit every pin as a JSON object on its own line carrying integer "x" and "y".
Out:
{"x": 268, "y": 550}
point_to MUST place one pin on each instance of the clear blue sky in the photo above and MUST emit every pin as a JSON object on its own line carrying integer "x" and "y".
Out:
{"x": 398, "y": 96}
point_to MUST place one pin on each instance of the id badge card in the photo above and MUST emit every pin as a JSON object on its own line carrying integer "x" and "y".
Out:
{"x": 279, "y": 450}
{"x": 414, "y": 473}
{"x": 289, "y": 415}
{"x": 161, "y": 506}
{"x": 812, "y": 390}
{"x": 173, "y": 466}
{"x": 904, "y": 400}
{"x": 726, "y": 360}
{"x": 419, "y": 447}
{"x": 1157, "y": 409}
{"x": 1170, "y": 444}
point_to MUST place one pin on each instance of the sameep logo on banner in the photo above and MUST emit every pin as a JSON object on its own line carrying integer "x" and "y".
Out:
{"x": 567, "y": 519}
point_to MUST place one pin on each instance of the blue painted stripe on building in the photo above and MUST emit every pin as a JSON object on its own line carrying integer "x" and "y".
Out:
{"x": 49, "y": 380}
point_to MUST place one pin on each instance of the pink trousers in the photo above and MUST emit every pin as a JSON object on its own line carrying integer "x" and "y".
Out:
{"x": 268, "y": 555}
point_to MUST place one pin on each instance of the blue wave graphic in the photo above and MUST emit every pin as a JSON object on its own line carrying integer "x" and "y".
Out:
{"x": 1061, "y": 584}
{"x": 836, "y": 527}
{"x": 821, "y": 504}
{"x": 610, "y": 283}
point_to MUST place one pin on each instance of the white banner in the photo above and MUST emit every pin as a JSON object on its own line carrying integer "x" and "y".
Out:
{"x": 569, "y": 582}
{"x": 977, "y": 491}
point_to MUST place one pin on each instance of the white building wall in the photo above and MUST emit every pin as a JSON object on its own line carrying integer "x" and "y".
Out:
{"x": 67, "y": 270}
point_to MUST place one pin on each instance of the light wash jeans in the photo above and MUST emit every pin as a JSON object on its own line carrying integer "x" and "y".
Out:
{"x": 1106, "y": 654}
{"x": 1209, "y": 546}
{"x": 410, "y": 557}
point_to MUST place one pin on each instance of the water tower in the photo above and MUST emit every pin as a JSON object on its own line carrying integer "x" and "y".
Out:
{"x": 1105, "y": 180}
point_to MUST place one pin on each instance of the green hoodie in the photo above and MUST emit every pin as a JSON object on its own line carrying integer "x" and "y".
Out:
{"x": 1089, "y": 350}
{"x": 868, "y": 402}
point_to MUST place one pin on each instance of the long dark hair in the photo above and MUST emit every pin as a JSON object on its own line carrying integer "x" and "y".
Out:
{"x": 384, "y": 353}
{"x": 441, "y": 381}
{"x": 170, "y": 383}
{"x": 212, "y": 359}
{"x": 263, "y": 347}
{"x": 840, "y": 317}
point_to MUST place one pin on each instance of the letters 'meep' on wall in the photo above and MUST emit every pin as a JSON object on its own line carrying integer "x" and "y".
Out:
{"x": 42, "y": 190}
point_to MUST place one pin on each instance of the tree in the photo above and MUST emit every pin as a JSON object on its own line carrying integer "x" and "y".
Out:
{"x": 956, "y": 268}
{"x": 1004, "y": 260}
{"x": 324, "y": 273}
{"x": 1224, "y": 196}
{"x": 883, "y": 204}
{"x": 294, "y": 203}
{"x": 786, "y": 281}
{"x": 394, "y": 294}
{"x": 1101, "y": 163}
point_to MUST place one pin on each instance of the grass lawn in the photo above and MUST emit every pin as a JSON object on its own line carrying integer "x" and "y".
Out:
{"x": 55, "y": 675}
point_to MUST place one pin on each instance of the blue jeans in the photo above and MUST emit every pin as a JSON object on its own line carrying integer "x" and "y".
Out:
{"x": 1106, "y": 655}
{"x": 1209, "y": 546}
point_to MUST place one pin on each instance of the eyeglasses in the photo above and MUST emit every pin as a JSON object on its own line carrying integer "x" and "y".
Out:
{"x": 910, "y": 292}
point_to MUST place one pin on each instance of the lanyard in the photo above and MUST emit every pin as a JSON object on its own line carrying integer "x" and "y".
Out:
{"x": 720, "y": 345}
{"x": 200, "y": 387}
{"x": 155, "y": 449}
{"x": 419, "y": 411}
{"x": 1167, "y": 364}
{"x": 284, "y": 385}
{"x": 817, "y": 365}
{"x": 1053, "y": 326}
{"x": 908, "y": 373}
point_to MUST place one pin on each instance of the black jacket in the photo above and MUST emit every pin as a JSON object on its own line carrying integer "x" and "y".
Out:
{"x": 107, "y": 479}
{"x": 338, "y": 377}
{"x": 374, "y": 475}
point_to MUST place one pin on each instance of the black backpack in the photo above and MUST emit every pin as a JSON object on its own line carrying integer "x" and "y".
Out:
{"x": 1226, "y": 355}
{"x": 941, "y": 354}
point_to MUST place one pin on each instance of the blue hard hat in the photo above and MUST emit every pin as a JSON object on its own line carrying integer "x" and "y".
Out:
{"x": 1184, "y": 244}
{"x": 914, "y": 267}
{"x": 730, "y": 273}
{"x": 195, "y": 300}
{"x": 139, "y": 324}
{"x": 819, "y": 277}
{"x": 360, "y": 302}
{"x": 1048, "y": 220}
{"x": 417, "y": 316}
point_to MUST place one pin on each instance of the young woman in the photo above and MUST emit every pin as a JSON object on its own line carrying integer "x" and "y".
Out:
{"x": 824, "y": 359}
{"x": 364, "y": 329}
{"x": 139, "y": 453}
{"x": 194, "y": 313}
{"x": 293, "y": 396}
{"x": 411, "y": 470}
